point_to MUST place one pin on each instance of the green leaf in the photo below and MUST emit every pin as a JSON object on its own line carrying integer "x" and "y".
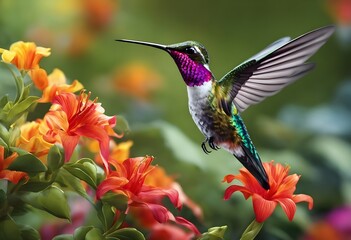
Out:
{"x": 27, "y": 163}
{"x": 4, "y": 134}
{"x": 3, "y": 198}
{"x": 118, "y": 201}
{"x": 3, "y": 143}
{"x": 20, "y": 108}
{"x": 127, "y": 234}
{"x": 9, "y": 230}
{"x": 81, "y": 232}
{"x": 18, "y": 79}
{"x": 51, "y": 200}
{"x": 15, "y": 133}
{"x": 84, "y": 169}
{"x": 214, "y": 233}
{"x": 35, "y": 185}
{"x": 94, "y": 234}
{"x": 64, "y": 237}
{"x": 65, "y": 179}
{"x": 252, "y": 230}
{"x": 3, "y": 101}
{"x": 55, "y": 159}
{"x": 29, "y": 233}
{"x": 26, "y": 91}
{"x": 20, "y": 151}
{"x": 108, "y": 216}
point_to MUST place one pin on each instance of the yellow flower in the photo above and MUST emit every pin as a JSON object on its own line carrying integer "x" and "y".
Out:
{"x": 24, "y": 55}
{"x": 56, "y": 83}
{"x": 33, "y": 141}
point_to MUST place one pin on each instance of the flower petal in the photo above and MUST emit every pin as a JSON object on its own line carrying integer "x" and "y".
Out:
{"x": 39, "y": 78}
{"x": 229, "y": 178}
{"x": 233, "y": 188}
{"x": 13, "y": 176}
{"x": 7, "y": 56}
{"x": 149, "y": 194}
{"x": 187, "y": 224}
{"x": 110, "y": 184}
{"x": 160, "y": 213}
{"x": 263, "y": 208}
{"x": 69, "y": 143}
{"x": 304, "y": 198}
{"x": 288, "y": 206}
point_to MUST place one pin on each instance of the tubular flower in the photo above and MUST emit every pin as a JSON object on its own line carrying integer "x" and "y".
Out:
{"x": 12, "y": 176}
{"x": 282, "y": 187}
{"x": 71, "y": 117}
{"x": 33, "y": 141}
{"x": 56, "y": 83}
{"x": 24, "y": 55}
{"x": 129, "y": 180}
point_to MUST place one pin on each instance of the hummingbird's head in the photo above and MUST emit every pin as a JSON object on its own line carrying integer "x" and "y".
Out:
{"x": 193, "y": 50}
{"x": 191, "y": 58}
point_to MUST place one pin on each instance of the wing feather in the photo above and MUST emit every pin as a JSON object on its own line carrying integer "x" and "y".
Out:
{"x": 269, "y": 71}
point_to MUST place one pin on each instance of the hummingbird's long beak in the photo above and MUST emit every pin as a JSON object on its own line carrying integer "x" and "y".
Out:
{"x": 155, "y": 45}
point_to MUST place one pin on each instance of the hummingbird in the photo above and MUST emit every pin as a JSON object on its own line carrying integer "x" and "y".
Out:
{"x": 216, "y": 104}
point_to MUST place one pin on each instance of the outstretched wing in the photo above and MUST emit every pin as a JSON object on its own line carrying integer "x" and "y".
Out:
{"x": 267, "y": 72}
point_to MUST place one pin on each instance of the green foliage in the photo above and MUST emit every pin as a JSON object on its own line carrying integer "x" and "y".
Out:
{"x": 65, "y": 180}
{"x": 252, "y": 230}
{"x": 29, "y": 233}
{"x": 214, "y": 233}
{"x": 52, "y": 200}
{"x": 27, "y": 163}
{"x": 55, "y": 159}
{"x": 11, "y": 111}
{"x": 84, "y": 169}
{"x": 125, "y": 234}
{"x": 9, "y": 229}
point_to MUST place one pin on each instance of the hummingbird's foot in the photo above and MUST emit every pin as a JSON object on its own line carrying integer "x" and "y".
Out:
{"x": 212, "y": 145}
{"x": 204, "y": 148}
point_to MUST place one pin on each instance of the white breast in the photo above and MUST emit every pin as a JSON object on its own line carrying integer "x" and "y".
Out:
{"x": 198, "y": 101}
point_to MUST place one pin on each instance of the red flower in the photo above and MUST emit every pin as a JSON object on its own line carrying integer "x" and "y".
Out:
{"x": 169, "y": 232}
{"x": 282, "y": 187}
{"x": 129, "y": 180}
{"x": 71, "y": 117}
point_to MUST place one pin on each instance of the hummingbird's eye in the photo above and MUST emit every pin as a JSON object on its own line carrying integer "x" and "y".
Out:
{"x": 190, "y": 50}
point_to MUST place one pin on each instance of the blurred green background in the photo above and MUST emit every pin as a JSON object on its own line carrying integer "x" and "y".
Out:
{"x": 307, "y": 125}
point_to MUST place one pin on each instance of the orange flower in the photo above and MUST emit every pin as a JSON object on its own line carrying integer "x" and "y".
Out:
{"x": 12, "y": 176}
{"x": 137, "y": 80}
{"x": 282, "y": 187}
{"x": 129, "y": 180}
{"x": 99, "y": 13}
{"x": 71, "y": 117}
{"x": 39, "y": 78}
{"x": 24, "y": 55}
{"x": 32, "y": 140}
{"x": 56, "y": 84}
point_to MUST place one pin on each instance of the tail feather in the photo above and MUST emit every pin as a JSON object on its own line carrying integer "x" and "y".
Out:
{"x": 254, "y": 165}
